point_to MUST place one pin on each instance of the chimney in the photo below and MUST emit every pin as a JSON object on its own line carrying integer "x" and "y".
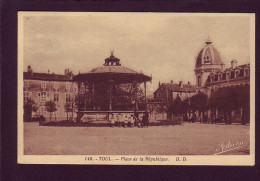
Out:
{"x": 188, "y": 82}
{"x": 181, "y": 84}
{"x": 29, "y": 70}
{"x": 159, "y": 84}
{"x": 66, "y": 71}
{"x": 171, "y": 81}
{"x": 223, "y": 66}
{"x": 233, "y": 64}
{"x": 48, "y": 71}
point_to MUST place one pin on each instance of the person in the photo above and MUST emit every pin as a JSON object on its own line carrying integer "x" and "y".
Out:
{"x": 146, "y": 119}
{"x": 194, "y": 118}
{"x": 112, "y": 119}
{"x": 119, "y": 119}
{"x": 190, "y": 118}
{"x": 214, "y": 119}
{"x": 205, "y": 119}
{"x": 132, "y": 121}
{"x": 126, "y": 121}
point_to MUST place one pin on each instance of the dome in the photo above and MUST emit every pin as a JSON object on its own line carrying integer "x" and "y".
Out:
{"x": 208, "y": 55}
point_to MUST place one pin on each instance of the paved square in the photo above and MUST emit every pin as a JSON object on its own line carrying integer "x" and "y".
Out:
{"x": 186, "y": 139}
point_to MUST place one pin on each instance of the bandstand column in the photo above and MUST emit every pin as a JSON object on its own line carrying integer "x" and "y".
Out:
{"x": 92, "y": 94}
{"x": 136, "y": 102}
{"x": 85, "y": 96}
{"x": 79, "y": 84}
{"x": 110, "y": 94}
{"x": 110, "y": 97}
{"x": 145, "y": 92}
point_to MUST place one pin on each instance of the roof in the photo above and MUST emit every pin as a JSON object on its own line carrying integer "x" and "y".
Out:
{"x": 178, "y": 88}
{"x": 116, "y": 73}
{"x": 46, "y": 76}
{"x": 113, "y": 69}
{"x": 230, "y": 69}
{"x": 212, "y": 52}
{"x": 112, "y": 73}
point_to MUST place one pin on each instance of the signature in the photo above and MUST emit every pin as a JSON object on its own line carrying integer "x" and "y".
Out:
{"x": 225, "y": 147}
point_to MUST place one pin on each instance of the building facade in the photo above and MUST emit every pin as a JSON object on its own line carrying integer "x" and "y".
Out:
{"x": 42, "y": 87}
{"x": 168, "y": 92}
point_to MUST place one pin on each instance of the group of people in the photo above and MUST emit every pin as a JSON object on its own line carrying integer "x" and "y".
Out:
{"x": 129, "y": 120}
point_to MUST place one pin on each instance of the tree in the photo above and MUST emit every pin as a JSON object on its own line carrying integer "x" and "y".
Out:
{"x": 178, "y": 106}
{"x": 35, "y": 107}
{"x": 74, "y": 107}
{"x": 50, "y": 107}
{"x": 199, "y": 102}
{"x": 161, "y": 109}
{"x": 67, "y": 108}
{"x": 227, "y": 99}
{"x": 28, "y": 109}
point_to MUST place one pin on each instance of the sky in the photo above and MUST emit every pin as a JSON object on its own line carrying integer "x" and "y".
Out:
{"x": 164, "y": 45}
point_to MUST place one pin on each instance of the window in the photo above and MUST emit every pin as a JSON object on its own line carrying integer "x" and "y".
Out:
{"x": 68, "y": 97}
{"x": 67, "y": 85}
{"x": 224, "y": 76}
{"x": 241, "y": 73}
{"x": 43, "y": 85}
{"x": 56, "y": 97}
{"x": 216, "y": 78}
{"x": 219, "y": 77}
{"x": 228, "y": 75}
{"x": 232, "y": 75}
{"x": 207, "y": 59}
{"x": 26, "y": 83}
{"x": 27, "y": 96}
{"x": 75, "y": 87}
{"x": 56, "y": 86}
{"x": 42, "y": 96}
{"x": 82, "y": 90}
{"x": 199, "y": 81}
{"x": 237, "y": 74}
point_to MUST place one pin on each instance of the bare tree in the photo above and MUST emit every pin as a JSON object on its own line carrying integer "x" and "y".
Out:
{"x": 50, "y": 107}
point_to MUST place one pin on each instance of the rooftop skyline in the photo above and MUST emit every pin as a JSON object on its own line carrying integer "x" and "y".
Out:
{"x": 164, "y": 45}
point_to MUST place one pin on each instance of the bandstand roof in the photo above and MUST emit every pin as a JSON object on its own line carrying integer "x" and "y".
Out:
{"x": 117, "y": 73}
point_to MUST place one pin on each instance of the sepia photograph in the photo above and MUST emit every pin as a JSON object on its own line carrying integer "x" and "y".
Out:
{"x": 136, "y": 88}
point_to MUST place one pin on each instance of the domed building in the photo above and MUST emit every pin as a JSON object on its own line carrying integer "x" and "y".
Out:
{"x": 207, "y": 61}
{"x": 211, "y": 73}
{"x": 211, "y": 76}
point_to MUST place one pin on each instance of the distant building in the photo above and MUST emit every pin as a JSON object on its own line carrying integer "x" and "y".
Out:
{"x": 167, "y": 91}
{"x": 42, "y": 87}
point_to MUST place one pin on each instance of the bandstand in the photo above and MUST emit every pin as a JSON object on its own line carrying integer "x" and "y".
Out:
{"x": 100, "y": 90}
